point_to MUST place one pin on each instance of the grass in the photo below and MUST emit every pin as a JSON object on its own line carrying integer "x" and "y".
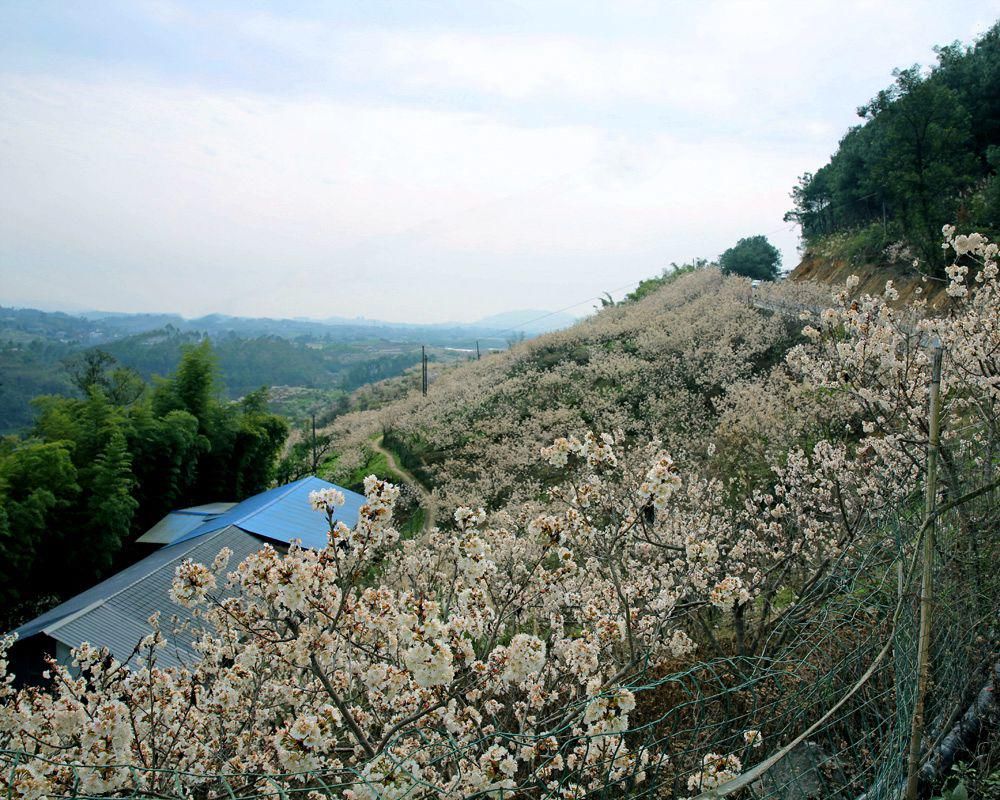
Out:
{"x": 413, "y": 525}
{"x": 377, "y": 464}
{"x": 863, "y": 245}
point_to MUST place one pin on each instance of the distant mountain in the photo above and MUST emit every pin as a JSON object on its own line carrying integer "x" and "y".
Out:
{"x": 337, "y": 354}
{"x": 95, "y": 327}
{"x": 103, "y": 326}
{"x": 116, "y": 323}
{"x": 529, "y": 320}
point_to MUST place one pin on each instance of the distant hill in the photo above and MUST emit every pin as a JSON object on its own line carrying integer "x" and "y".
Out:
{"x": 530, "y": 321}
{"x": 314, "y": 356}
{"x": 96, "y": 327}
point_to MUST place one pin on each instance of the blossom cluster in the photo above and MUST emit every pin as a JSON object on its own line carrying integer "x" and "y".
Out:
{"x": 192, "y": 584}
{"x": 661, "y": 481}
{"x": 715, "y": 771}
{"x": 326, "y": 499}
{"x": 728, "y": 592}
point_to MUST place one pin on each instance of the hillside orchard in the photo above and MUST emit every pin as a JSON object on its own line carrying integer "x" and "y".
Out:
{"x": 644, "y": 491}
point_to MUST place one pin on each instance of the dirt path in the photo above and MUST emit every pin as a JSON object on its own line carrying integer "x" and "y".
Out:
{"x": 427, "y": 500}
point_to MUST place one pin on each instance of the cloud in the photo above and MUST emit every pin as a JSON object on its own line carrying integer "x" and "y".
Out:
{"x": 723, "y": 66}
{"x": 256, "y": 161}
{"x": 217, "y": 189}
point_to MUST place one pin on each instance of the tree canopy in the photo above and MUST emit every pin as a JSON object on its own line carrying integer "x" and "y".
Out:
{"x": 95, "y": 471}
{"x": 650, "y": 285}
{"x": 753, "y": 257}
{"x": 924, "y": 156}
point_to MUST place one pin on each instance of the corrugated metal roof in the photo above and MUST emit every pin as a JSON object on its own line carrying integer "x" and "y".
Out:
{"x": 283, "y": 514}
{"x": 115, "y": 613}
{"x": 207, "y": 509}
{"x": 175, "y": 524}
{"x": 105, "y": 588}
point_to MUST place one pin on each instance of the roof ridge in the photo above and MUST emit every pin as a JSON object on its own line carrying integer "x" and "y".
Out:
{"x": 259, "y": 508}
{"x": 74, "y": 615}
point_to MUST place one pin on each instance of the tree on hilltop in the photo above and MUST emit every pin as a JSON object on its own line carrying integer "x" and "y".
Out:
{"x": 754, "y": 257}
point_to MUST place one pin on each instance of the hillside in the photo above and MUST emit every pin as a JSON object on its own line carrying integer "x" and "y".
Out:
{"x": 666, "y": 549}
{"x": 911, "y": 284}
{"x": 671, "y": 366}
{"x": 788, "y": 438}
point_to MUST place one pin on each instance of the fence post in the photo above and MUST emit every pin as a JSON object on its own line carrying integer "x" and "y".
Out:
{"x": 927, "y": 578}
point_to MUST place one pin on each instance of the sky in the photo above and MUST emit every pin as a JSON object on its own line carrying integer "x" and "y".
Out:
{"x": 417, "y": 161}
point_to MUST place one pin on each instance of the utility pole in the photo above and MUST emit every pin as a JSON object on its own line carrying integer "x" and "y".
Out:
{"x": 423, "y": 369}
{"x": 314, "y": 459}
{"x": 477, "y": 349}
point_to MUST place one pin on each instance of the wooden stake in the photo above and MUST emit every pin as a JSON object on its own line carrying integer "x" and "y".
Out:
{"x": 927, "y": 578}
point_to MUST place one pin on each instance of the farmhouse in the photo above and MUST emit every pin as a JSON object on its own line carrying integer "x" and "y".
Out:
{"x": 115, "y": 612}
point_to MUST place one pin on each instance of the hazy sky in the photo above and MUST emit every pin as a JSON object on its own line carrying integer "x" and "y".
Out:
{"x": 413, "y": 160}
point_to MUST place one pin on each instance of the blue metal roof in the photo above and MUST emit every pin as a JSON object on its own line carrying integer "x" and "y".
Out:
{"x": 280, "y": 514}
{"x": 177, "y": 523}
{"x": 118, "y": 582}
{"x": 283, "y": 514}
{"x": 115, "y": 612}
